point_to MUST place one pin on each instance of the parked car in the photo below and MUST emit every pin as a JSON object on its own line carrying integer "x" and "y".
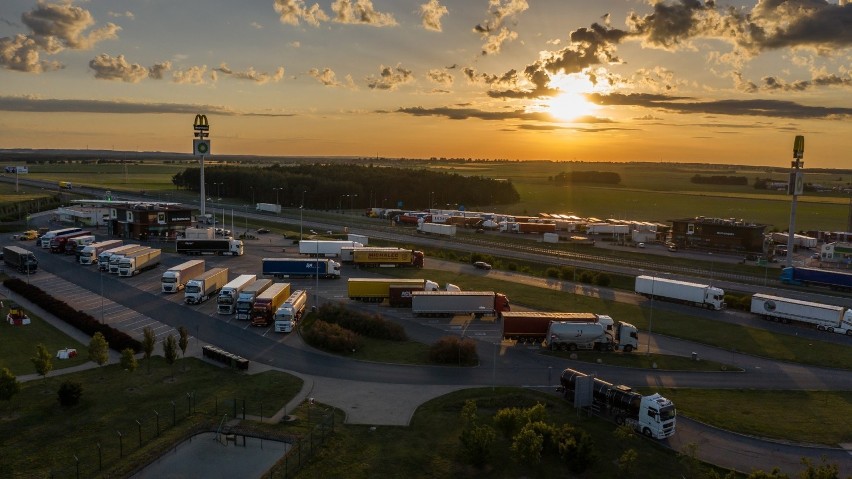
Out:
{"x": 481, "y": 265}
{"x": 262, "y": 230}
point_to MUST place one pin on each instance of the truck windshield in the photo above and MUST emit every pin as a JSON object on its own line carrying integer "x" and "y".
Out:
{"x": 667, "y": 413}
{"x": 167, "y": 280}
{"x": 243, "y": 306}
{"x": 192, "y": 289}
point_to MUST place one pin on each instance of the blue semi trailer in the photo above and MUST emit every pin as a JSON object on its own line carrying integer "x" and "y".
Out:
{"x": 838, "y": 280}
{"x": 300, "y": 267}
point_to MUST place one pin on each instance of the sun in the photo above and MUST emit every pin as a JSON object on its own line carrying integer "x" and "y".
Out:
{"x": 568, "y": 106}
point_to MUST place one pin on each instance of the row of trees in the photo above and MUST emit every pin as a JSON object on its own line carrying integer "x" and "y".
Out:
{"x": 329, "y": 187}
{"x": 591, "y": 177}
{"x": 720, "y": 180}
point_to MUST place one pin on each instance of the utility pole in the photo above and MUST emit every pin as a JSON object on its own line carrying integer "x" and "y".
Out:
{"x": 795, "y": 188}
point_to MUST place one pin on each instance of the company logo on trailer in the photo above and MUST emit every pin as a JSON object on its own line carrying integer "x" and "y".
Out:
{"x": 769, "y": 306}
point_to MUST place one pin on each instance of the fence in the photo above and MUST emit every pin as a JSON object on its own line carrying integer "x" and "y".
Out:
{"x": 304, "y": 448}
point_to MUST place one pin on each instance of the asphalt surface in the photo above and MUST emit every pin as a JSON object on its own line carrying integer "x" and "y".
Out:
{"x": 380, "y": 394}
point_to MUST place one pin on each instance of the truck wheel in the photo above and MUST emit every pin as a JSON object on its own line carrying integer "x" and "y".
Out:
{"x": 628, "y": 348}
{"x": 646, "y": 432}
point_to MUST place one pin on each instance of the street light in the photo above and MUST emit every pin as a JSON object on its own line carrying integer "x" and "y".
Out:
{"x": 252, "y": 194}
{"x": 301, "y": 209}
{"x": 352, "y": 201}
{"x": 218, "y": 190}
{"x": 340, "y": 203}
{"x": 651, "y": 314}
{"x": 276, "y": 195}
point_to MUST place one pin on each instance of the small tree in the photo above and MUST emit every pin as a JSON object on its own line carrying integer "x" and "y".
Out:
{"x": 99, "y": 349}
{"x": 627, "y": 463}
{"x": 183, "y": 342}
{"x": 148, "y": 342}
{"x": 476, "y": 440}
{"x": 69, "y": 393}
{"x": 9, "y": 385}
{"x": 128, "y": 360}
{"x": 170, "y": 349}
{"x": 527, "y": 446}
{"x": 42, "y": 361}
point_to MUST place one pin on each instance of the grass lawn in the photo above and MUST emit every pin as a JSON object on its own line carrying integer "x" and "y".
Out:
{"x": 114, "y": 399}
{"x": 18, "y": 344}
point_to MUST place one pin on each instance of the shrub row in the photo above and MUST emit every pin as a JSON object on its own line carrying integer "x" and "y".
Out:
{"x": 117, "y": 340}
{"x": 331, "y": 337}
{"x": 454, "y": 350}
{"x": 372, "y": 326}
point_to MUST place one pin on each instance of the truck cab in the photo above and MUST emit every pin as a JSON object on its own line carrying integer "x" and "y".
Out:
{"x": 656, "y": 417}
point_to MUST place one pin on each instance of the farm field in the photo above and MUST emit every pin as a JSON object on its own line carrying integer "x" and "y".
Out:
{"x": 655, "y": 192}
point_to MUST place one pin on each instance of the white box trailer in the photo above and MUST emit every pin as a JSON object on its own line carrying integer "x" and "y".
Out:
{"x": 90, "y": 254}
{"x": 175, "y": 278}
{"x": 702, "y": 295}
{"x": 135, "y": 263}
{"x": 550, "y": 237}
{"x": 268, "y": 208}
{"x": 451, "y": 303}
{"x": 607, "y": 228}
{"x": 436, "y": 229}
{"x": 825, "y": 317}
{"x": 226, "y": 302}
{"x": 205, "y": 286}
{"x": 801, "y": 241}
{"x": 325, "y": 248}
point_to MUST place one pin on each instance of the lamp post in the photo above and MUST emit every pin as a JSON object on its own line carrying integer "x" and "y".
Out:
{"x": 340, "y": 203}
{"x": 301, "y": 209}
{"x": 352, "y": 201}
{"x": 252, "y": 194}
{"x": 651, "y": 314}
{"x": 795, "y": 188}
{"x": 218, "y": 191}
{"x": 431, "y": 195}
{"x": 276, "y": 194}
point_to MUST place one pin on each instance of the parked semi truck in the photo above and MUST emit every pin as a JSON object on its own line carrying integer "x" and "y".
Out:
{"x": 175, "y": 278}
{"x": 826, "y": 317}
{"x": 602, "y": 335}
{"x": 300, "y": 268}
{"x": 267, "y": 302}
{"x": 76, "y": 245}
{"x": 376, "y": 290}
{"x": 205, "y": 286}
{"x": 386, "y": 257}
{"x": 325, "y": 248}
{"x": 702, "y": 295}
{"x": 226, "y": 302}
{"x": 116, "y": 258}
{"x": 45, "y": 239}
{"x": 289, "y": 314}
{"x": 57, "y": 244}
{"x": 451, "y": 303}
{"x": 89, "y": 254}
{"x": 532, "y": 326}
{"x": 247, "y": 296}
{"x": 199, "y": 246}
{"x": 268, "y": 208}
{"x": 23, "y": 260}
{"x": 104, "y": 257}
{"x": 436, "y": 229}
{"x": 653, "y": 416}
{"x": 135, "y": 263}
{"x": 838, "y": 280}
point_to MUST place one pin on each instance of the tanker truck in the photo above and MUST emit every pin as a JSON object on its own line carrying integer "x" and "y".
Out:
{"x": 603, "y": 335}
{"x": 289, "y": 314}
{"x": 653, "y": 416}
{"x": 531, "y": 326}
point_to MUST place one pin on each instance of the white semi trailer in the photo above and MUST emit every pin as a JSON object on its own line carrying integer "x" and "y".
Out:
{"x": 226, "y": 302}
{"x": 325, "y": 248}
{"x": 702, "y": 295}
{"x": 603, "y": 335}
{"x": 826, "y": 317}
{"x": 175, "y": 278}
{"x": 205, "y": 286}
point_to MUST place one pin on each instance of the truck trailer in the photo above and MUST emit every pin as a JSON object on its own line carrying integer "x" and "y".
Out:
{"x": 57, "y": 244}
{"x": 654, "y": 416}
{"x": 837, "y": 280}
{"x": 436, "y": 229}
{"x": 325, "y": 248}
{"x": 23, "y": 260}
{"x": 826, "y": 317}
{"x": 451, "y": 303}
{"x": 289, "y": 314}
{"x": 220, "y": 247}
{"x": 175, "y": 278}
{"x": 45, "y": 239}
{"x": 300, "y": 268}
{"x": 531, "y": 326}
{"x": 247, "y": 296}
{"x": 386, "y": 257}
{"x": 268, "y": 208}
{"x": 115, "y": 258}
{"x": 105, "y": 256}
{"x": 226, "y": 302}
{"x": 135, "y": 263}
{"x": 89, "y": 254}
{"x": 76, "y": 245}
{"x": 695, "y": 294}
{"x": 376, "y": 290}
{"x": 602, "y": 335}
{"x": 267, "y": 303}
{"x": 205, "y": 286}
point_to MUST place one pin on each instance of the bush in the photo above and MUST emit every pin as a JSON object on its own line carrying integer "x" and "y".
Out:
{"x": 452, "y": 350}
{"x": 601, "y": 279}
{"x": 332, "y": 337}
{"x": 69, "y": 393}
{"x": 552, "y": 273}
{"x": 373, "y": 326}
{"x": 567, "y": 273}
{"x": 586, "y": 277}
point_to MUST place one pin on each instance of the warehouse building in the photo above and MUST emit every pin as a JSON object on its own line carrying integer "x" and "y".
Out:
{"x": 717, "y": 234}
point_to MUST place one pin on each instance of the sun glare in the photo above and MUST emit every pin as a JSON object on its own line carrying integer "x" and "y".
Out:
{"x": 570, "y": 106}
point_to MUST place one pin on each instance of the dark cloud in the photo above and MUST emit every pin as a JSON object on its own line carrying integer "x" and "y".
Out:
{"x": 756, "y": 107}
{"x": 390, "y": 78}
{"x": 251, "y": 74}
{"x": 493, "y": 30}
{"x": 771, "y": 83}
{"x": 468, "y": 113}
{"x": 53, "y": 105}
{"x": 107, "y": 67}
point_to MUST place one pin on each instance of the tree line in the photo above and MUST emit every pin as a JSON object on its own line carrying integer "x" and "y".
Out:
{"x": 594, "y": 177}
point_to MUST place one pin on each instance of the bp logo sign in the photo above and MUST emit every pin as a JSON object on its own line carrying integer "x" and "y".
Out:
{"x": 769, "y": 306}
{"x": 200, "y": 147}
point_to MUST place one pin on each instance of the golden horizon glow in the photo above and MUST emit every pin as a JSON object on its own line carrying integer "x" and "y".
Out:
{"x": 570, "y": 104}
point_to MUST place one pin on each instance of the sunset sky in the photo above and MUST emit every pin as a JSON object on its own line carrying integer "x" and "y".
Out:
{"x": 629, "y": 80}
